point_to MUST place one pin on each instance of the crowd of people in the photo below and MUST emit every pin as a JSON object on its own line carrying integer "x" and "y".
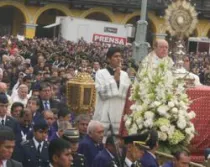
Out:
{"x": 36, "y": 124}
{"x": 200, "y": 66}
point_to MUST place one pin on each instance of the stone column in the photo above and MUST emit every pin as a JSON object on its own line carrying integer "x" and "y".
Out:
{"x": 140, "y": 47}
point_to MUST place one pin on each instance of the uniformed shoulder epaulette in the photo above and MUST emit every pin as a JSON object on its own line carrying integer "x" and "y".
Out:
{"x": 24, "y": 142}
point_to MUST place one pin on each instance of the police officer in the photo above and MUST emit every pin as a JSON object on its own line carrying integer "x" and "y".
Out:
{"x": 35, "y": 151}
{"x": 72, "y": 135}
{"x": 149, "y": 158}
{"x": 135, "y": 148}
{"x": 107, "y": 157}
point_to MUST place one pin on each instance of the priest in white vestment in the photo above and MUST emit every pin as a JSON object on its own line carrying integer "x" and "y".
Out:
{"x": 112, "y": 85}
{"x": 160, "y": 53}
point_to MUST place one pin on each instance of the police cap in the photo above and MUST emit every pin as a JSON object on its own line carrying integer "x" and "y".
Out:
{"x": 138, "y": 140}
{"x": 40, "y": 124}
{"x": 71, "y": 135}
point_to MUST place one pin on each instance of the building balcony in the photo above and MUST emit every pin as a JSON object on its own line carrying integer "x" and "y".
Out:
{"x": 202, "y": 6}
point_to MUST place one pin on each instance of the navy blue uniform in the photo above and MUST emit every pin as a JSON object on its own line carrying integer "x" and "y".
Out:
{"x": 89, "y": 149}
{"x": 51, "y": 132}
{"x": 148, "y": 160}
{"x": 54, "y": 136}
{"x": 15, "y": 126}
{"x": 78, "y": 160}
{"x": 36, "y": 117}
{"x": 104, "y": 159}
{"x": 168, "y": 164}
{"x": 26, "y": 132}
{"x": 55, "y": 126}
{"x": 31, "y": 157}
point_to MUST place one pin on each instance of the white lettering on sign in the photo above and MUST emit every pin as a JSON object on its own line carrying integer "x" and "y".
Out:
{"x": 109, "y": 39}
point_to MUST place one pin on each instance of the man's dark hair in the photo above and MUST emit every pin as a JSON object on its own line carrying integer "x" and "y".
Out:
{"x": 16, "y": 104}
{"x": 56, "y": 147}
{"x": 110, "y": 140}
{"x": 63, "y": 112}
{"x": 82, "y": 117}
{"x": 3, "y": 98}
{"x": 6, "y": 133}
{"x": 112, "y": 51}
{"x": 44, "y": 85}
{"x": 36, "y": 99}
{"x": 178, "y": 154}
{"x": 27, "y": 77}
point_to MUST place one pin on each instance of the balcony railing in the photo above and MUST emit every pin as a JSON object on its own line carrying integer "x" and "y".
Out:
{"x": 202, "y": 6}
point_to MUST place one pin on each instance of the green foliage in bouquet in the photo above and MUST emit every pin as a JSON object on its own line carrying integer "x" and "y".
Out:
{"x": 160, "y": 102}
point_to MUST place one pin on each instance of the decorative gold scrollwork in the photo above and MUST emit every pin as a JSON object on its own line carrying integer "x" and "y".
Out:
{"x": 181, "y": 18}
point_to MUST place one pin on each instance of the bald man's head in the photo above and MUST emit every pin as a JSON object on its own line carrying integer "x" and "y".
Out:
{"x": 161, "y": 48}
{"x": 3, "y": 87}
{"x": 23, "y": 91}
{"x": 49, "y": 117}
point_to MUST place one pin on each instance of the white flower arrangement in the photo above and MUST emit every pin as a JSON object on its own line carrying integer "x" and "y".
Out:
{"x": 160, "y": 102}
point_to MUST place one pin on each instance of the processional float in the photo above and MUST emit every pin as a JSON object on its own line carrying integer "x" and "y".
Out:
{"x": 180, "y": 21}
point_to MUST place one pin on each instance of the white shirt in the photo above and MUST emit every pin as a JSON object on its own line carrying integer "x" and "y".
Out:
{"x": 46, "y": 102}
{"x": 110, "y": 154}
{"x": 4, "y": 118}
{"x": 4, "y": 163}
{"x": 51, "y": 165}
{"x": 128, "y": 162}
{"x": 37, "y": 144}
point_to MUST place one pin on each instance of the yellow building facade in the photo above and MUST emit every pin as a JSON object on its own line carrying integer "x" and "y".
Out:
{"x": 29, "y": 17}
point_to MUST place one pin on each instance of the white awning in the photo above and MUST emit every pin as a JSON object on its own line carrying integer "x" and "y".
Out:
{"x": 52, "y": 25}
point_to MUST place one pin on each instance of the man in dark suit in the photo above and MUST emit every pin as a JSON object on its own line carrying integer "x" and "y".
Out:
{"x": 91, "y": 144}
{"x": 60, "y": 153}
{"x": 33, "y": 105}
{"x": 50, "y": 119}
{"x": 106, "y": 157}
{"x": 46, "y": 101}
{"x": 26, "y": 124}
{"x": 63, "y": 115}
{"x": 149, "y": 158}
{"x": 35, "y": 151}
{"x": 6, "y": 120}
{"x": 72, "y": 136}
{"x": 63, "y": 125}
{"x": 82, "y": 121}
{"x": 7, "y": 144}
